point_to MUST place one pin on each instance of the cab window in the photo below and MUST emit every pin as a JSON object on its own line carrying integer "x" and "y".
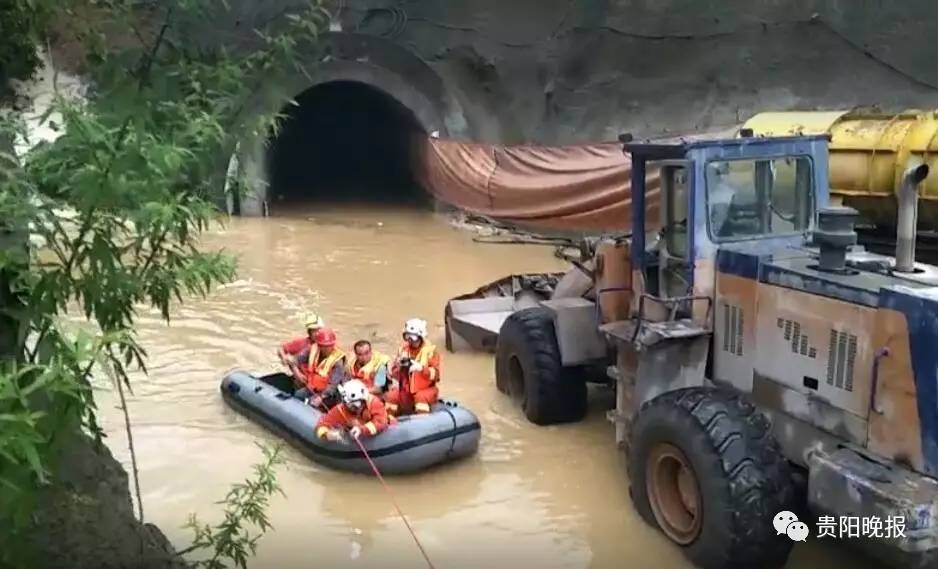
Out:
{"x": 675, "y": 195}
{"x": 759, "y": 198}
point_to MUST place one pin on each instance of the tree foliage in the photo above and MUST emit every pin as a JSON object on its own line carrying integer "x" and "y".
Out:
{"x": 106, "y": 219}
{"x": 23, "y": 26}
{"x": 245, "y": 505}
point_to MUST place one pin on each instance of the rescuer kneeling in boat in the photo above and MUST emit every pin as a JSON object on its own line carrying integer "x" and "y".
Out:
{"x": 370, "y": 367}
{"x": 325, "y": 372}
{"x": 363, "y": 414}
{"x": 416, "y": 370}
{"x": 294, "y": 354}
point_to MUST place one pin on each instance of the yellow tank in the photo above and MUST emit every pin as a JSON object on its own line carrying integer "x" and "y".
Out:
{"x": 869, "y": 152}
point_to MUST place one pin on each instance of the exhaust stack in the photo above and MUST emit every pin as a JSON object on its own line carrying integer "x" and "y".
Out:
{"x": 908, "y": 218}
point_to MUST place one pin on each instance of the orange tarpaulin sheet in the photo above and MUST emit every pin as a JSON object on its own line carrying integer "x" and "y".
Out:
{"x": 583, "y": 188}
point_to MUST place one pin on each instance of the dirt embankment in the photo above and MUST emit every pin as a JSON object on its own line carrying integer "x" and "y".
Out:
{"x": 85, "y": 519}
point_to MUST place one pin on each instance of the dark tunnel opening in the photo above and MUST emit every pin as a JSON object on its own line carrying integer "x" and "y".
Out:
{"x": 344, "y": 142}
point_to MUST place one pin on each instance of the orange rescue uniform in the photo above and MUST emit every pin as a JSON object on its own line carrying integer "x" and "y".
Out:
{"x": 320, "y": 369}
{"x": 422, "y": 389}
{"x": 297, "y": 347}
{"x": 372, "y": 420}
{"x": 366, "y": 373}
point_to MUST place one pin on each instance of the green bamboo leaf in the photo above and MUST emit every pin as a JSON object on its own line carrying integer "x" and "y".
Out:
{"x": 35, "y": 463}
{"x": 9, "y": 484}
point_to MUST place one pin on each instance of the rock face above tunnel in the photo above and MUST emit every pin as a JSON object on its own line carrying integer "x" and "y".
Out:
{"x": 562, "y": 71}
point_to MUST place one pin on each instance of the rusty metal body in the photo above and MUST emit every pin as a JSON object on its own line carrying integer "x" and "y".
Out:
{"x": 473, "y": 319}
{"x": 747, "y": 290}
{"x": 833, "y": 343}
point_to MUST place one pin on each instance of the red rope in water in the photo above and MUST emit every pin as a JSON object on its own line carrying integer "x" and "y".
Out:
{"x": 400, "y": 513}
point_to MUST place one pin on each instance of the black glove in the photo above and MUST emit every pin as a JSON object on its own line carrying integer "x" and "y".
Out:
{"x": 331, "y": 397}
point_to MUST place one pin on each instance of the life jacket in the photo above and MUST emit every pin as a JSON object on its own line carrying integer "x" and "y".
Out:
{"x": 318, "y": 373}
{"x": 306, "y": 358}
{"x": 428, "y": 376}
{"x": 366, "y": 373}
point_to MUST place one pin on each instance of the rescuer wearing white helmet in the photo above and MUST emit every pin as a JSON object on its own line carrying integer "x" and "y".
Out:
{"x": 363, "y": 414}
{"x": 416, "y": 370}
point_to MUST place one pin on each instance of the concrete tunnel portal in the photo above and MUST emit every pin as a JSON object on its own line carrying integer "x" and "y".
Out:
{"x": 344, "y": 141}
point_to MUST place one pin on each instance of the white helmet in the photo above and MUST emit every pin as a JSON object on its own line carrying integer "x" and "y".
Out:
{"x": 417, "y": 327}
{"x": 353, "y": 392}
{"x": 314, "y": 321}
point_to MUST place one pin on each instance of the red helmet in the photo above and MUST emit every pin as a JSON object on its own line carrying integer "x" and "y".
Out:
{"x": 325, "y": 337}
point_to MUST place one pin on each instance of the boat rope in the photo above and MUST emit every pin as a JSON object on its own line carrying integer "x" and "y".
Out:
{"x": 400, "y": 513}
{"x": 452, "y": 444}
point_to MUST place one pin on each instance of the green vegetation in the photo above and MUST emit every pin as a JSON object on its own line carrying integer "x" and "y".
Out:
{"x": 106, "y": 219}
{"x": 245, "y": 502}
{"x": 23, "y": 26}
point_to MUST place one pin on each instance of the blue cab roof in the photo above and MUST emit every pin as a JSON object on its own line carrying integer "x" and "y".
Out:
{"x": 666, "y": 151}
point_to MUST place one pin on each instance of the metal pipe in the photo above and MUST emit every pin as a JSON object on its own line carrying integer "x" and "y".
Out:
{"x": 907, "y": 221}
{"x": 638, "y": 212}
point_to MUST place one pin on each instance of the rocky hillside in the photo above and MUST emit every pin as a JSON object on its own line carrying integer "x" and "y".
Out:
{"x": 560, "y": 71}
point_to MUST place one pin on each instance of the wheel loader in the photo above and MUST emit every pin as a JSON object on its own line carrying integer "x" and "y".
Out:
{"x": 763, "y": 363}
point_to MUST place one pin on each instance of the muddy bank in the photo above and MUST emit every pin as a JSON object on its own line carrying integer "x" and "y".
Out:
{"x": 85, "y": 519}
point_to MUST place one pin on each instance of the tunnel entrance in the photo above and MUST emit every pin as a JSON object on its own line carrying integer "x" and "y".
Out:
{"x": 343, "y": 142}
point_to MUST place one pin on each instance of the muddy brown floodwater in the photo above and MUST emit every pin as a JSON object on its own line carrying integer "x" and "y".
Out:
{"x": 551, "y": 497}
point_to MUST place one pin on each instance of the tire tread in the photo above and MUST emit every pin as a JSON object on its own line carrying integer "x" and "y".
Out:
{"x": 728, "y": 440}
{"x": 554, "y": 394}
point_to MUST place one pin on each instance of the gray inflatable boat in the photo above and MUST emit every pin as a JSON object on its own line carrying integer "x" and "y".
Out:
{"x": 413, "y": 444}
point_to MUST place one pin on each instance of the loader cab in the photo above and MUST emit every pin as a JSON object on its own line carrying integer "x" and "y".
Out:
{"x": 691, "y": 199}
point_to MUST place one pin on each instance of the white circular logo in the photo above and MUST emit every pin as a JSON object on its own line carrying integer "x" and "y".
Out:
{"x": 787, "y": 523}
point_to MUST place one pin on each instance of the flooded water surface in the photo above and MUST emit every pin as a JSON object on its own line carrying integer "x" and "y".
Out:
{"x": 553, "y": 497}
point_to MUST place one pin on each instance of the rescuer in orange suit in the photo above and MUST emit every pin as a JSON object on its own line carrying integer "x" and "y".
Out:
{"x": 370, "y": 367}
{"x": 294, "y": 354}
{"x": 363, "y": 414}
{"x": 325, "y": 371}
{"x": 417, "y": 372}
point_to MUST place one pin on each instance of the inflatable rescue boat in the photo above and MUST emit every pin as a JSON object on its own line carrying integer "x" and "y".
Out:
{"x": 414, "y": 443}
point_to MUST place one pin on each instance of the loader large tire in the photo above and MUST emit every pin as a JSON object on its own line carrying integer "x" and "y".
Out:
{"x": 705, "y": 469}
{"x": 527, "y": 367}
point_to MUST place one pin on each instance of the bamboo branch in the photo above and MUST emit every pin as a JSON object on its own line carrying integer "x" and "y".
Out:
{"x": 130, "y": 445}
{"x": 130, "y": 436}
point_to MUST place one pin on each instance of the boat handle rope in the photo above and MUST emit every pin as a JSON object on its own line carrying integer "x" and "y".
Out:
{"x": 400, "y": 513}
{"x": 452, "y": 444}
